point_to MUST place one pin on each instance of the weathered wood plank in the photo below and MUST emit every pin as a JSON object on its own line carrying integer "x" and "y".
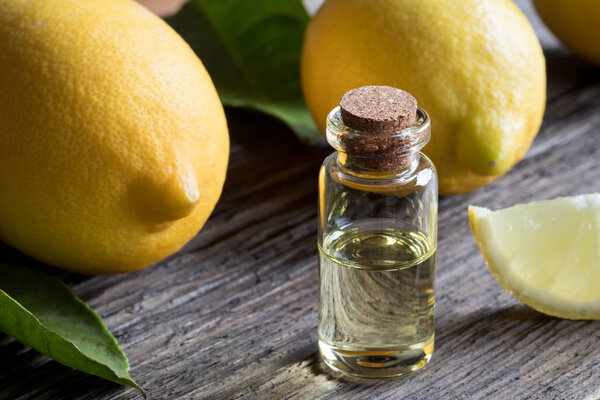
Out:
{"x": 233, "y": 315}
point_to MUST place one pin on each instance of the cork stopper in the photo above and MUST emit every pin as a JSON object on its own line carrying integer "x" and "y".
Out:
{"x": 378, "y": 109}
{"x": 380, "y": 113}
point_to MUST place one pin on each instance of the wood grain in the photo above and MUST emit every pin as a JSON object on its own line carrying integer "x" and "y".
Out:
{"x": 233, "y": 315}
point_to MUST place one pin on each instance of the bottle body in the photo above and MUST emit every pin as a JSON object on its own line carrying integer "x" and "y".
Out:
{"x": 377, "y": 242}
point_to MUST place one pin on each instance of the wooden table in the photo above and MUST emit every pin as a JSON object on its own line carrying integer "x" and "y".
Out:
{"x": 234, "y": 314}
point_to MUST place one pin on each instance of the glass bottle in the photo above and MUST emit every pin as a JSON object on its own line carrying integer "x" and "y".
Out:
{"x": 377, "y": 243}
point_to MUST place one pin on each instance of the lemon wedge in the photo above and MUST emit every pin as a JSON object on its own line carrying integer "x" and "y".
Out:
{"x": 546, "y": 253}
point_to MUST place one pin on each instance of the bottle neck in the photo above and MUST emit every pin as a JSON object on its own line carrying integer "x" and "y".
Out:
{"x": 378, "y": 156}
{"x": 371, "y": 167}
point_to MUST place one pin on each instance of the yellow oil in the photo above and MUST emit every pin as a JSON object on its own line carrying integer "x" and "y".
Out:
{"x": 376, "y": 302}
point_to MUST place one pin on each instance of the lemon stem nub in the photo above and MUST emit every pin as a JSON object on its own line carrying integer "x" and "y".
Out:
{"x": 170, "y": 200}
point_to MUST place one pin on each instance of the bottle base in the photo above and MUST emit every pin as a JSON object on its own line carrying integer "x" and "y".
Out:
{"x": 385, "y": 362}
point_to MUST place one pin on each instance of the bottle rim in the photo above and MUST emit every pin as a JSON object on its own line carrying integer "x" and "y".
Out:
{"x": 412, "y": 138}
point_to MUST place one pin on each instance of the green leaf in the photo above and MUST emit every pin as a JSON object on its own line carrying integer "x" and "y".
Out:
{"x": 43, "y": 313}
{"x": 251, "y": 49}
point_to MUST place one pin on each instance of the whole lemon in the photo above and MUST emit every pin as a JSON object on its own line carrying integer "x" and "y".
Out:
{"x": 576, "y": 24}
{"x": 475, "y": 65}
{"x": 113, "y": 142}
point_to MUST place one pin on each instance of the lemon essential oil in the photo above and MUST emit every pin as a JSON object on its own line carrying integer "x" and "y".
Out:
{"x": 377, "y": 236}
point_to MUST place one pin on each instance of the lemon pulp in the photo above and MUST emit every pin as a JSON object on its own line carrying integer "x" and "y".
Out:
{"x": 545, "y": 253}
